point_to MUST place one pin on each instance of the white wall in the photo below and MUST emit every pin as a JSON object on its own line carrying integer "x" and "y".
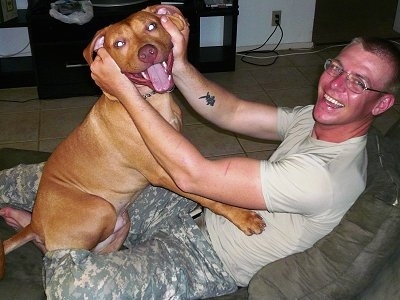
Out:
{"x": 254, "y": 26}
{"x": 254, "y": 22}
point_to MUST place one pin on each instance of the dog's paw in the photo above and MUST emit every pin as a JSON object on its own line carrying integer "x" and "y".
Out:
{"x": 249, "y": 222}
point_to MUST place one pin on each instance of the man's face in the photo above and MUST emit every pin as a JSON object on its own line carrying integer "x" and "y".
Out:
{"x": 336, "y": 104}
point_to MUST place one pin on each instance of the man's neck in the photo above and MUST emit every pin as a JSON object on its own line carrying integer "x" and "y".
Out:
{"x": 338, "y": 134}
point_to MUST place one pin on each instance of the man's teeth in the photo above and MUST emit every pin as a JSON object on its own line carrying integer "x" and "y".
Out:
{"x": 333, "y": 101}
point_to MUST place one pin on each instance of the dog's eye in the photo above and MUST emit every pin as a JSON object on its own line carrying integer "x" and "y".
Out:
{"x": 151, "y": 26}
{"x": 119, "y": 44}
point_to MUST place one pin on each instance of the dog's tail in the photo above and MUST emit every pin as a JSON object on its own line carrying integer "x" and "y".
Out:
{"x": 20, "y": 238}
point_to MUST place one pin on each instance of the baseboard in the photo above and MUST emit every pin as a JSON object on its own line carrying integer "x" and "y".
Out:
{"x": 287, "y": 46}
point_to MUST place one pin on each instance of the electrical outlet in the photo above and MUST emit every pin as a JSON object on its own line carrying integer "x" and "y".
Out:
{"x": 276, "y": 17}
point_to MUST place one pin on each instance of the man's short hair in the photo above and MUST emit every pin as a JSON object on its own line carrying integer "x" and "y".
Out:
{"x": 386, "y": 50}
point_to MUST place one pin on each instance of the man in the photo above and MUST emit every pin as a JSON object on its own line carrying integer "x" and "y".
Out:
{"x": 302, "y": 192}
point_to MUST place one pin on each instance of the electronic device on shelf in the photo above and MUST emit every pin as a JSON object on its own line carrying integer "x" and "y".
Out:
{"x": 218, "y": 3}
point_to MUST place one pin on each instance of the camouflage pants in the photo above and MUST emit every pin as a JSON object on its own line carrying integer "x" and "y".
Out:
{"x": 166, "y": 255}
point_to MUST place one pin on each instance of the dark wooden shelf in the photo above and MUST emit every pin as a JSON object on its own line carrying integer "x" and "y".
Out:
{"x": 20, "y": 21}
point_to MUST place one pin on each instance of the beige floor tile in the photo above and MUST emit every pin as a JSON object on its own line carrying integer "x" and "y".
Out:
{"x": 19, "y": 106}
{"x": 19, "y": 127}
{"x": 235, "y": 81}
{"x": 59, "y": 123}
{"x": 259, "y": 96}
{"x": 312, "y": 74}
{"x": 84, "y": 101}
{"x": 255, "y": 61}
{"x": 329, "y": 51}
{"x": 48, "y": 145}
{"x": 280, "y": 78}
{"x": 19, "y": 100}
{"x": 292, "y": 97}
{"x": 305, "y": 60}
{"x": 212, "y": 142}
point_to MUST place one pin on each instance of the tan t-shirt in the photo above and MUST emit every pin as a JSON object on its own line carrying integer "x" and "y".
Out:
{"x": 308, "y": 186}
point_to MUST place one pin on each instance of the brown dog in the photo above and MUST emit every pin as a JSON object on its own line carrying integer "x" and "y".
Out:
{"x": 99, "y": 169}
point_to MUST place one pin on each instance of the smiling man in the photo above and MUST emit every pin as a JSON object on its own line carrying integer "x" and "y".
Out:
{"x": 355, "y": 87}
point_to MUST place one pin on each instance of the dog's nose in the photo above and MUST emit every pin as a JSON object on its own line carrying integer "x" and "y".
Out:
{"x": 148, "y": 53}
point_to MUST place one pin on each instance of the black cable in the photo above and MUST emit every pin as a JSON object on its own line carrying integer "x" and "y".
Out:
{"x": 256, "y": 50}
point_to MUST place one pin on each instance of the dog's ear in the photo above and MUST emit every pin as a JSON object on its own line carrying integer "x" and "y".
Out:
{"x": 96, "y": 43}
{"x": 174, "y": 14}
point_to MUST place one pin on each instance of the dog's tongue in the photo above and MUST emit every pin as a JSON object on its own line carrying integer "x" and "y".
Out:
{"x": 159, "y": 78}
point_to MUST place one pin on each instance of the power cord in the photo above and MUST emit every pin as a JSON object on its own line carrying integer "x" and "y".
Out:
{"x": 245, "y": 54}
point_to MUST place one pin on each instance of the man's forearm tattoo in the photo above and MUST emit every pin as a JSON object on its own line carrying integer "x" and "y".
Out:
{"x": 210, "y": 100}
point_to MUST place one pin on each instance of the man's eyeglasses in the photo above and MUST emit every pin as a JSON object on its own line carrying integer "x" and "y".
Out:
{"x": 354, "y": 83}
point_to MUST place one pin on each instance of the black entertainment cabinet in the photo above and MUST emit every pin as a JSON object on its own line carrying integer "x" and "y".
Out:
{"x": 215, "y": 58}
{"x": 57, "y": 47}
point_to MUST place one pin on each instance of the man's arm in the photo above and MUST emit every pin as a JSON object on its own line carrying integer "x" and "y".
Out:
{"x": 214, "y": 102}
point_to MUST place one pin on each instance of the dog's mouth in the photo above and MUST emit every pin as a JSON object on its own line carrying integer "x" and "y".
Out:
{"x": 158, "y": 77}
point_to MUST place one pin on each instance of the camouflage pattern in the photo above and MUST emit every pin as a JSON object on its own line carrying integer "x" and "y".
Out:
{"x": 165, "y": 256}
{"x": 18, "y": 186}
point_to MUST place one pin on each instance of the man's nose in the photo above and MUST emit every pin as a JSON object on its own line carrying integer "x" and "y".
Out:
{"x": 339, "y": 83}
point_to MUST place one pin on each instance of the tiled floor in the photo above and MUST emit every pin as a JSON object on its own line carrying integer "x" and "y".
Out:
{"x": 30, "y": 123}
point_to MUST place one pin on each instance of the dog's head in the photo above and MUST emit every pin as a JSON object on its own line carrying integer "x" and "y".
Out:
{"x": 141, "y": 46}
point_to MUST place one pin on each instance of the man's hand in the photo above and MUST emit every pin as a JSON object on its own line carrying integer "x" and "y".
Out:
{"x": 180, "y": 41}
{"x": 107, "y": 75}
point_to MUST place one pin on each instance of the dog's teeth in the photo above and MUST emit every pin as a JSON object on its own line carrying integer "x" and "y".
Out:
{"x": 169, "y": 77}
{"x": 164, "y": 64}
{"x": 144, "y": 75}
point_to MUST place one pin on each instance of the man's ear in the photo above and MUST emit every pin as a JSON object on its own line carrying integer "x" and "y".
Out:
{"x": 384, "y": 103}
